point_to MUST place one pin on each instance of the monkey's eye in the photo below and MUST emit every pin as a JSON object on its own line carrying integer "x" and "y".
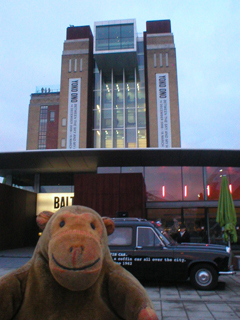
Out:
{"x": 62, "y": 224}
{"x": 93, "y": 226}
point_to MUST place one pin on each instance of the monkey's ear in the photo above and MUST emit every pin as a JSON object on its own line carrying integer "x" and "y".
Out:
{"x": 109, "y": 224}
{"x": 42, "y": 219}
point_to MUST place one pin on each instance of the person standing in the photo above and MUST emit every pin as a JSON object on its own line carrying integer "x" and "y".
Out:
{"x": 183, "y": 235}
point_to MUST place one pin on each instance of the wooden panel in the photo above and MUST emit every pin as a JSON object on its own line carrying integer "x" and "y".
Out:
{"x": 18, "y": 226}
{"x": 110, "y": 193}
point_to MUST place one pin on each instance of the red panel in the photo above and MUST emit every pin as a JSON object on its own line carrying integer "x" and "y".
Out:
{"x": 109, "y": 193}
{"x": 159, "y": 26}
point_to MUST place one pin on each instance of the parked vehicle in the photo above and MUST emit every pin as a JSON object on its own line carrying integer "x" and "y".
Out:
{"x": 149, "y": 253}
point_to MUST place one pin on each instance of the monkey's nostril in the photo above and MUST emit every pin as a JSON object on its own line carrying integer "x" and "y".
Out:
{"x": 82, "y": 248}
{"x": 71, "y": 249}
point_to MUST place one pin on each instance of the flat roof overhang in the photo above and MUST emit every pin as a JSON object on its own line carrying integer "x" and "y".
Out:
{"x": 116, "y": 61}
{"x": 88, "y": 160}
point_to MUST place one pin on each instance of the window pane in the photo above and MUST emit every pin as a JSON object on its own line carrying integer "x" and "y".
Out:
{"x": 102, "y": 45}
{"x": 147, "y": 238}
{"x": 106, "y": 139}
{"x": 130, "y": 138}
{"x": 170, "y": 219}
{"x": 102, "y": 32}
{"x": 114, "y": 32}
{"x": 97, "y": 139}
{"x": 97, "y": 81}
{"x": 193, "y": 183}
{"x": 163, "y": 183}
{"x": 118, "y": 139}
{"x": 96, "y": 119}
{"x": 106, "y": 118}
{"x": 118, "y": 118}
{"x": 130, "y": 118}
{"x": 127, "y": 31}
{"x": 108, "y": 170}
{"x": 142, "y": 139}
{"x": 118, "y": 91}
{"x": 127, "y": 43}
{"x": 120, "y": 237}
{"x": 114, "y": 44}
{"x": 141, "y": 117}
{"x": 132, "y": 169}
{"x": 96, "y": 100}
{"x": 214, "y": 179}
{"x": 234, "y": 182}
{"x": 214, "y": 228}
{"x": 196, "y": 225}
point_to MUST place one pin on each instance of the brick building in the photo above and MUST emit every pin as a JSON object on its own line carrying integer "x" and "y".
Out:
{"x": 118, "y": 90}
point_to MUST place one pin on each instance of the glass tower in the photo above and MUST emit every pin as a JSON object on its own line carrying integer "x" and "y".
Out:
{"x": 119, "y": 109}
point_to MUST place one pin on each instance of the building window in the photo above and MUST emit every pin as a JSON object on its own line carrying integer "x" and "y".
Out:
{"x": 160, "y": 59}
{"x": 119, "y": 109}
{"x": 63, "y": 143}
{"x": 192, "y": 183}
{"x": 155, "y": 60}
{"x": 42, "y": 137}
{"x": 163, "y": 183}
{"x": 75, "y": 65}
{"x": 115, "y": 37}
{"x": 52, "y": 116}
{"x": 64, "y": 122}
{"x": 80, "y": 67}
{"x": 166, "y": 57}
{"x": 70, "y": 65}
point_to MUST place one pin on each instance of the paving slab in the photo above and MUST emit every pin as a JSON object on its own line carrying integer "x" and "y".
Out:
{"x": 171, "y": 300}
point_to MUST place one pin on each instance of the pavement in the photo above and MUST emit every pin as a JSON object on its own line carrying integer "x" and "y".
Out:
{"x": 171, "y": 300}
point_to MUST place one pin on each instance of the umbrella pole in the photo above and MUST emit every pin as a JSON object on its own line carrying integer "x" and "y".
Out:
{"x": 229, "y": 241}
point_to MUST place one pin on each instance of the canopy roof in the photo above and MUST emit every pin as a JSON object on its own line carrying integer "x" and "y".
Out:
{"x": 87, "y": 160}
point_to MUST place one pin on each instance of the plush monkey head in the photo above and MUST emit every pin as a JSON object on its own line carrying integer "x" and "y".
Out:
{"x": 74, "y": 241}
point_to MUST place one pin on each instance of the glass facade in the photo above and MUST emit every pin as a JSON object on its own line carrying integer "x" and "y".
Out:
{"x": 214, "y": 175}
{"x": 119, "y": 109}
{"x": 186, "y": 187}
{"x": 115, "y": 37}
{"x": 163, "y": 183}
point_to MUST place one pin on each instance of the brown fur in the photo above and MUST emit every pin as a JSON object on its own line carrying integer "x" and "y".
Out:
{"x": 72, "y": 275}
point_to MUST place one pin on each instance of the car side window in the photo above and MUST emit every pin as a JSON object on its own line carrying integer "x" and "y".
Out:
{"x": 122, "y": 236}
{"x": 146, "y": 237}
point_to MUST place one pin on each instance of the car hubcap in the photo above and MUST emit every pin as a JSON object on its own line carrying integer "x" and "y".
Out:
{"x": 203, "y": 277}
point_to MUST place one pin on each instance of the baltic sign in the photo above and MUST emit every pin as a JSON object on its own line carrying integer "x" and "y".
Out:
{"x": 73, "y": 113}
{"x": 53, "y": 201}
{"x": 163, "y": 111}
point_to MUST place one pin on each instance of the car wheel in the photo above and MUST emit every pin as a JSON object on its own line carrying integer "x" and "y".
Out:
{"x": 204, "y": 277}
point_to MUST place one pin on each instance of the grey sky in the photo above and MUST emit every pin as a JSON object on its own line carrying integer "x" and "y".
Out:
{"x": 207, "y": 40}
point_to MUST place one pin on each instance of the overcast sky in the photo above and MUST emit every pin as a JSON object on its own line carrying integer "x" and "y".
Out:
{"x": 207, "y": 40}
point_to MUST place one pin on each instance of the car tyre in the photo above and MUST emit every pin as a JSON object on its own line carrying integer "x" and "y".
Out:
{"x": 204, "y": 277}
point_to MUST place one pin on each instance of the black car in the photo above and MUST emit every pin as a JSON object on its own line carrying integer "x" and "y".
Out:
{"x": 149, "y": 253}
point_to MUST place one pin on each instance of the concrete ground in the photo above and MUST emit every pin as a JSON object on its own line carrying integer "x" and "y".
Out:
{"x": 171, "y": 300}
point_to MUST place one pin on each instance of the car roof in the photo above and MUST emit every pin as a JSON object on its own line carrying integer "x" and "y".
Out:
{"x": 131, "y": 221}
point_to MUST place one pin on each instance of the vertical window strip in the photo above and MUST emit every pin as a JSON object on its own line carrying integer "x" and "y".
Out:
{"x": 155, "y": 60}
{"x": 160, "y": 59}
{"x": 70, "y": 65}
{"x": 166, "y": 57}
{"x": 42, "y": 136}
{"x": 75, "y": 65}
{"x": 80, "y": 67}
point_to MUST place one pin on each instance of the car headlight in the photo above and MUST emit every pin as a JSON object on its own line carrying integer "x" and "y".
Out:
{"x": 228, "y": 249}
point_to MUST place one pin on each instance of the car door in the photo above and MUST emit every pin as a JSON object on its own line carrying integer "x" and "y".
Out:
{"x": 151, "y": 258}
{"x": 121, "y": 246}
